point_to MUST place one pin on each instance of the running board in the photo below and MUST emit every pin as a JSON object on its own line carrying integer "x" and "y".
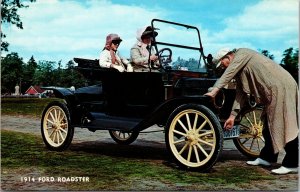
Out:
{"x": 101, "y": 121}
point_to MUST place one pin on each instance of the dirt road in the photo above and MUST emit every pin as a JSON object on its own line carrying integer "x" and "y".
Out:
{"x": 230, "y": 155}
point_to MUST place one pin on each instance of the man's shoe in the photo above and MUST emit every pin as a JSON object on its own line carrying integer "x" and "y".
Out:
{"x": 284, "y": 170}
{"x": 259, "y": 161}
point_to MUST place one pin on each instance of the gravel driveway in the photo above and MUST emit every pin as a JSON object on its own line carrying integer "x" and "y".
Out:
{"x": 155, "y": 139}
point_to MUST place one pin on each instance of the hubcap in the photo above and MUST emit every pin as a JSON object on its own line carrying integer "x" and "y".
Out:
{"x": 192, "y": 137}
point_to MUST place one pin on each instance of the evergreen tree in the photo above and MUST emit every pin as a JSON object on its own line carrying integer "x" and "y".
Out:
{"x": 28, "y": 73}
{"x": 267, "y": 54}
{"x": 290, "y": 61}
{"x": 43, "y": 75}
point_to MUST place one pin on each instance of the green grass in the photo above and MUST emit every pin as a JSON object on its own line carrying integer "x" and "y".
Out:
{"x": 24, "y": 106}
{"x": 21, "y": 151}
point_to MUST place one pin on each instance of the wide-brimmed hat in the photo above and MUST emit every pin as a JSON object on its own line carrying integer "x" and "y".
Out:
{"x": 219, "y": 55}
{"x": 149, "y": 32}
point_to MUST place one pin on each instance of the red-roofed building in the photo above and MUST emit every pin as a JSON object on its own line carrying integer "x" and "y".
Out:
{"x": 34, "y": 90}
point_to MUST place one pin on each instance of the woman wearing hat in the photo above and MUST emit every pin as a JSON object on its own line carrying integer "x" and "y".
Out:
{"x": 140, "y": 52}
{"x": 110, "y": 58}
{"x": 271, "y": 86}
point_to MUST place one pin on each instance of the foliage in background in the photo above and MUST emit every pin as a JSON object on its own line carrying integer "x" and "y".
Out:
{"x": 191, "y": 64}
{"x": 9, "y": 15}
{"x": 43, "y": 73}
{"x": 11, "y": 72}
{"x": 29, "y": 69}
{"x": 267, "y": 54}
{"x": 290, "y": 62}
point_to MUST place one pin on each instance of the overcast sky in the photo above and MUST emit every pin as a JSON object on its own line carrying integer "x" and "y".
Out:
{"x": 63, "y": 29}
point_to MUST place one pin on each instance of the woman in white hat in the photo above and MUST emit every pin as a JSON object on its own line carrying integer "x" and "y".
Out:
{"x": 271, "y": 86}
{"x": 139, "y": 53}
{"x": 110, "y": 58}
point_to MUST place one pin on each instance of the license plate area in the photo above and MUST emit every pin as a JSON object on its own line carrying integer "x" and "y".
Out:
{"x": 232, "y": 133}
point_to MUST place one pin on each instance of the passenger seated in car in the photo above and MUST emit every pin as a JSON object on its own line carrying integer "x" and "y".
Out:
{"x": 139, "y": 53}
{"x": 110, "y": 58}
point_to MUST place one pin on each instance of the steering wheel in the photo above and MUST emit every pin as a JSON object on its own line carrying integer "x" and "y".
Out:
{"x": 165, "y": 57}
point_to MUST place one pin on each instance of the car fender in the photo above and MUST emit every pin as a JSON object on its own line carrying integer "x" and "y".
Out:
{"x": 68, "y": 95}
{"x": 61, "y": 92}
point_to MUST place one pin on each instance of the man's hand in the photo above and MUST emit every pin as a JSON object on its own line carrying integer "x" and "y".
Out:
{"x": 229, "y": 122}
{"x": 213, "y": 92}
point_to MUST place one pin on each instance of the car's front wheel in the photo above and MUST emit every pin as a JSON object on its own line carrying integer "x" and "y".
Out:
{"x": 194, "y": 137}
{"x": 56, "y": 130}
{"x": 123, "y": 138}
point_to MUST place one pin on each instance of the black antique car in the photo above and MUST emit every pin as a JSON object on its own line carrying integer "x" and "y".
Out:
{"x": 173, "y": 98}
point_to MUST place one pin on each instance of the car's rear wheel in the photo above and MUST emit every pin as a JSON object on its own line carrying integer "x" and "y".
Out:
{"x": 251, "y": 141}
{"x": 123, "y": 138}
{"x": 56, "y": 130}
{"x": 194, "y": 137}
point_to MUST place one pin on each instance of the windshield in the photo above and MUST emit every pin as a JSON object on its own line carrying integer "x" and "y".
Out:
{"x": 185, "y": 43}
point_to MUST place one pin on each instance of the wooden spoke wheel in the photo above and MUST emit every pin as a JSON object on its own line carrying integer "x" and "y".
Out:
{"x": 55, "y": 126}
{"x": 251, "y": 141}
{"x": 124, "y": 138}
{"x": 194, "y": 137}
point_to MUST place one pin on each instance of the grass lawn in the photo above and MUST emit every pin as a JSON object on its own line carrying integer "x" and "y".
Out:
{"x": 24, "y": 106}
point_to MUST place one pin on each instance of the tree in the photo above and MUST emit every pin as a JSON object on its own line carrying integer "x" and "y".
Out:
{"x": 9, "y": 15}
{"x": 71, "y": 77}
{"x": 28, "y": 73}
{"x": 11, "y": 72}
{"x": 290, "y": 61}
{"x": 44, "y": 74}
{"x": 47, "y": 75}
{"x": 267, "y": 54}
{"x": 70, "y": 64}
{"x": 191, "y": 64}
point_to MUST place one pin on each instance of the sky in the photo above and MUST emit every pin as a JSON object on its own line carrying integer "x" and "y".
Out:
{"x": 59, "y": 30}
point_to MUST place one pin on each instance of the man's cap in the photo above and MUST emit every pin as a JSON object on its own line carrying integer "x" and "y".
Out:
{"x": 219, "y": 55}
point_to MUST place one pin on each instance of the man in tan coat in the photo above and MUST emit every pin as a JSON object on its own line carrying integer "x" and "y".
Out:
{"x": 271, "y": 86}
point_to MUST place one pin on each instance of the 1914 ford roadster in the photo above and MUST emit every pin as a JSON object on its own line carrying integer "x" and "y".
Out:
{"x": 127, "y": 103}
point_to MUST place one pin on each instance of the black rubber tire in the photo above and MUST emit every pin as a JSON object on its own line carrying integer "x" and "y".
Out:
{"x": 126, "y": 140}
{"x": 191, "y": 138}
{"x": 57, "y": 115}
